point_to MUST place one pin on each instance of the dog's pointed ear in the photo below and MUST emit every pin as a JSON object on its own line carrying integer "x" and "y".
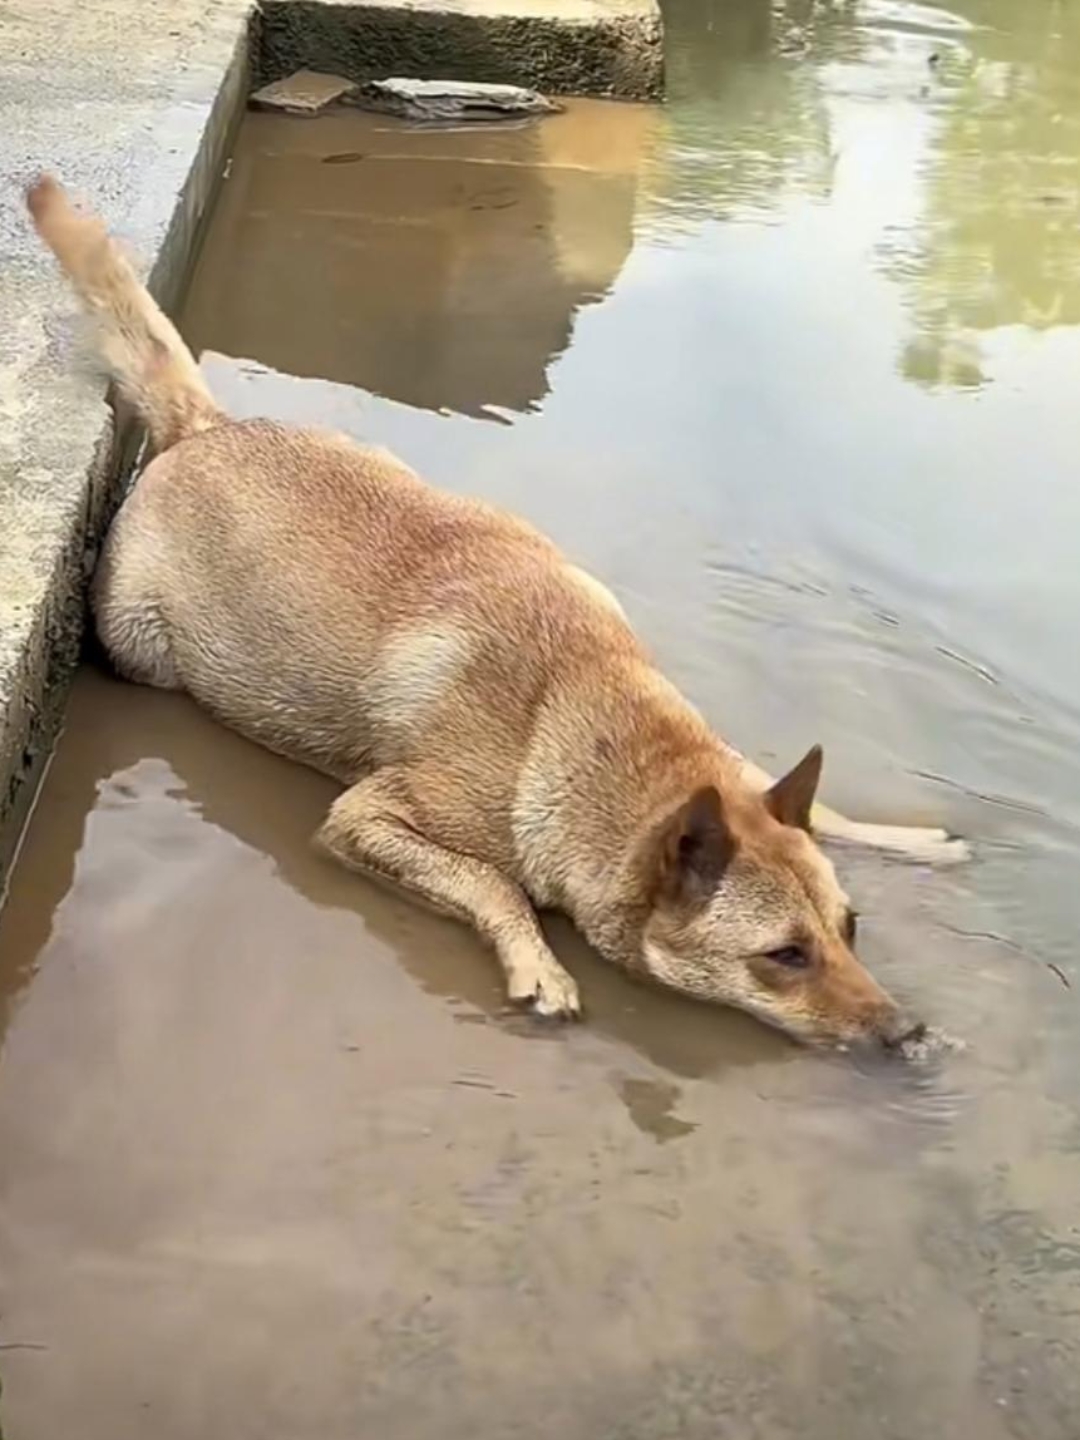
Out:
{"x": 695, "y": 847}
{"x": 791, "y": 798}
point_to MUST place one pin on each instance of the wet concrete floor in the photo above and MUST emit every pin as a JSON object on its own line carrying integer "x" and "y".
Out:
{"x": 792, "y": 364}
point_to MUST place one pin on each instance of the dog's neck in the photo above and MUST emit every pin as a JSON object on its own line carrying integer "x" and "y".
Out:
{"x": 625, "y": 765}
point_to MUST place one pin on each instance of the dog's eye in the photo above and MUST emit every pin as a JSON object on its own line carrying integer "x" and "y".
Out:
{"x": 851, "y": 926}
{"x": 794, "y": 957}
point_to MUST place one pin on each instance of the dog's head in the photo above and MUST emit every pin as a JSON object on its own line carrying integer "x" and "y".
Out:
{"x": 747, "y": 911}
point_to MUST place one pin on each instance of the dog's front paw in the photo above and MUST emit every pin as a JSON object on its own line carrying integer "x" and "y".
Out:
{"x": 545, "y": 989}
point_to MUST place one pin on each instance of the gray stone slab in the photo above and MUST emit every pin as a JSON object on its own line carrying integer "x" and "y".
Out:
{"x": 448, "y": 100}
{"x": 305, "y": 92}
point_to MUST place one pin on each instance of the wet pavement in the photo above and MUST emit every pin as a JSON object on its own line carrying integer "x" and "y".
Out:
{"x": 791, "y": 364}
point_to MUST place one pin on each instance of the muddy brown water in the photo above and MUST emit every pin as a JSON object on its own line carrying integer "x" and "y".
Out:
{"x": 793, "y": 364}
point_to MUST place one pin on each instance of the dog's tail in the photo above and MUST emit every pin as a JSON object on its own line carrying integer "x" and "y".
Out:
{"x": 148, "y": 359}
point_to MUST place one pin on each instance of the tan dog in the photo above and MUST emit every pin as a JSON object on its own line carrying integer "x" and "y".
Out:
{"x": 503, "y": 738}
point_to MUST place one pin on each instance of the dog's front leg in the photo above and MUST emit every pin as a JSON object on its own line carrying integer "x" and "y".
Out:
{"x": 371, "y": 828}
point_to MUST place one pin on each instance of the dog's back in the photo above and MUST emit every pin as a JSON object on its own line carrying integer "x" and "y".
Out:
{"x": 329, "y": 604}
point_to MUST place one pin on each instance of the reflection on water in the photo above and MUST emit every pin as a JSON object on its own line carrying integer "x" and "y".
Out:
{"x": 478, "y": 250}
{"x": 792, "y": 364}
{"x": 989, "y": 91}
{"x": 473, "y": 250}
{"x": 740, "y": 73}
{"x": 997, "y": 243}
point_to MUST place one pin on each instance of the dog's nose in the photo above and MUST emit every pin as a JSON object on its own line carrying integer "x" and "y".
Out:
{"x": 902, "y": 1031}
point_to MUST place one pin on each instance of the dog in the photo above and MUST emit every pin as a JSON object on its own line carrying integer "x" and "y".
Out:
{"x": 503, "y": 741}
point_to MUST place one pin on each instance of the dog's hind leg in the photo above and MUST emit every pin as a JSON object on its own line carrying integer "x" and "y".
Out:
{"x": 927, "y": 844}
{"x": 373, "y": 828}
{"x": 126, "y": 601}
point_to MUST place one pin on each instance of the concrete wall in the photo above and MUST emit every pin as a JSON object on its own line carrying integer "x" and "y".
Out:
{"x": 132, "y": 105}
{"x": 568, "y": 47}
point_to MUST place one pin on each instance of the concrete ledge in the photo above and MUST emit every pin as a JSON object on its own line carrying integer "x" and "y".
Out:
{"x": 142, "y": 130}
{"x": 566, "y": 47}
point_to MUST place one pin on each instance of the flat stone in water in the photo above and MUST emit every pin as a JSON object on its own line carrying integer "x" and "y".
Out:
{"x": 449, "y": 99}
{"x": 305, "y": 92}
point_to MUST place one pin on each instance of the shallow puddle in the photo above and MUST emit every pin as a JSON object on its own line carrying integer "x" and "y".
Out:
{"x": 792, "y": 364}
